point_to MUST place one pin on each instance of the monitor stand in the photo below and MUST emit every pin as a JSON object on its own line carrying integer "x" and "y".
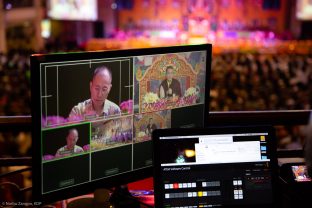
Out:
{"x": 103, "y": 198}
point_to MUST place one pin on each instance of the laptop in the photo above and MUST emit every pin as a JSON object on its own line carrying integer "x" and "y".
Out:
{"x": 215, "y": 167}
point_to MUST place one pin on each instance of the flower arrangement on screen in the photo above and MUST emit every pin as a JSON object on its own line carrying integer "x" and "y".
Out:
{"x": 58, "y": 120}
{"x": 150, "y": 98}
{"x": 191, "y": 95}
{"x": 142, "y": 134}
{"x": 126, "y": 107}
{"x": 151, "y": 102}
{"x": 52, "y": 120}
{"x": 191, "y": 92}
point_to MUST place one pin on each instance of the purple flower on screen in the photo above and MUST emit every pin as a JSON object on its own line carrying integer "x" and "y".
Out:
{"x": 52, "y": 121}
{"x": 48, "y": 157}
{"x": 86, "y": 148}
{"x": 126, "y": 106}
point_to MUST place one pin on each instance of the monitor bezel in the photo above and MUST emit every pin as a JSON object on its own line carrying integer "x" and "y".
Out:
{"x": 213, "y": 130}
{"x": 37, "y": 59}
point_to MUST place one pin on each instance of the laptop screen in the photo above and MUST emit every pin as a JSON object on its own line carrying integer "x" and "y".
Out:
{"x": 223, "y": 166}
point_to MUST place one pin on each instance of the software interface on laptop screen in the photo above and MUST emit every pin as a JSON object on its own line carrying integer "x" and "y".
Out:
{"x": 220, "y": 169}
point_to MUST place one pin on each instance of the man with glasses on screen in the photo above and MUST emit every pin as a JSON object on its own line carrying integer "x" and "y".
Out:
{"x": 170, "y": 87}
{"x": 98, "y": 105}
{"x": 70, "y": 148}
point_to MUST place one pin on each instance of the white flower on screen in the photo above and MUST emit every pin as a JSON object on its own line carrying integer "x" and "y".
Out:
{"x": 150, "y": 97}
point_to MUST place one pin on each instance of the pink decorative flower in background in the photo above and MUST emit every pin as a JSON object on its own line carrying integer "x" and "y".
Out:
{"x": 48, "y": 157}
{"x": 58, "y": 120}
{"x": 86, "y": 148}
{"x": 127, "y": 106}
{"x": 52, "y": 121}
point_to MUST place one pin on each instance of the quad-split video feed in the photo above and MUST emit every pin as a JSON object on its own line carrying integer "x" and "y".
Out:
{"x": 114, "y": 105}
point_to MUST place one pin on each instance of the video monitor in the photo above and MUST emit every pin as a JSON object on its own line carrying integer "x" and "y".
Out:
{"x": 93, "y": 113}
{"x": 304, "y": 10}
{"x": 300, "y": 173}
{"x": 226, "y": 166}
{"x": 72, "y": 10}
{"x": 295, "y": 173}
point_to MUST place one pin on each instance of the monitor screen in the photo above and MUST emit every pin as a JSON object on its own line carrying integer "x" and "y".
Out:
{"x": 221, "y": 166}
{"x": 304, "y": 9}
{"x": 94, "y": 112}
{"x": 72, "y": 10}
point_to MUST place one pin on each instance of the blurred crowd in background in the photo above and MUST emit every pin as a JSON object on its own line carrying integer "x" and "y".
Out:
{"x": 245, "y": 81}
{"x": 15, "y": 84}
